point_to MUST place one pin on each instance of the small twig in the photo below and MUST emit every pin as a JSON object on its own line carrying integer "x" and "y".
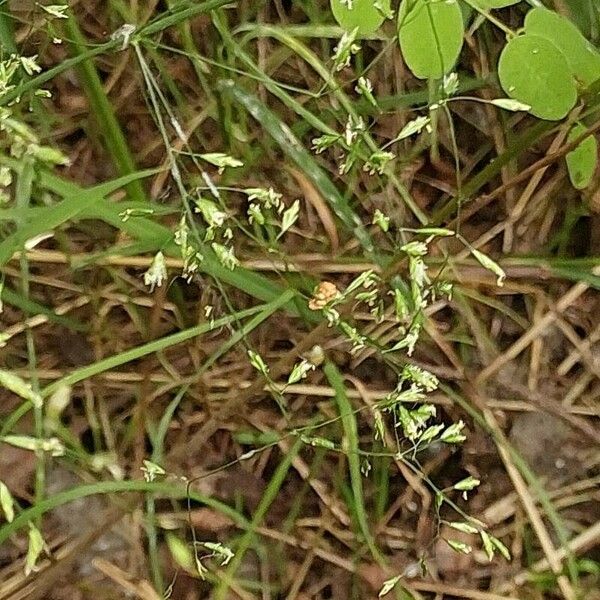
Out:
{"x": 538, "y": 329}
{"x": 141, "y": 589}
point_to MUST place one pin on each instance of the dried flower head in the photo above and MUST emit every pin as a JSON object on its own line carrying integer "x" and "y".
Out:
{"x": 323, "y": 294}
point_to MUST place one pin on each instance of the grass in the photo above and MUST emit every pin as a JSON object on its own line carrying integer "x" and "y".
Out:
{"x": 234, "y": 380}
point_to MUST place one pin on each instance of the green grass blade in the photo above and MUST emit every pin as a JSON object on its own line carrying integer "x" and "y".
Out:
{"x": 274, "y": 87}
{"x": 160, "y": 489}
{"x": 333, "y": 32}
{"x": 114, "y": 139}
{"x": 267, "y": 499}
{"x": 31, "y": 307}
{"x": 7, "y": 38}
{"x": 154, "y": 346}
{"x": 54, "y": 216}
{"x": 148, "y": 231}
{"x": 351, "y": 443}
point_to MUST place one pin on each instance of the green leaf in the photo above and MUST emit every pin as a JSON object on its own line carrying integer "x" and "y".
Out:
{"x": 534, "y": 71}
{"x": 389, "y": 585}
{"x": 488, "y": 546}
{"x": 34, "y": 549}
{"x": 431, "y": 36}
{"x": 6, "y": 502}
{"x": 581, "y": 56}
{"x": 18, "y": 386}
{"x": 459, "y": 546}
{"x": 581, "y": 162}
{"x": 488, "y": 4}
{"x": 361, "y": 14}
{"x": 508, "y": 104}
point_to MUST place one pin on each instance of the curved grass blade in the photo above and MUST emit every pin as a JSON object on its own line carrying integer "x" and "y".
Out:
{"x": 161, "y": 489}
{"x": 350, "y": 428}
{"x": 90, "y": 203}
{"x": 54, "y": 216}
{"x": 161, "y": 344}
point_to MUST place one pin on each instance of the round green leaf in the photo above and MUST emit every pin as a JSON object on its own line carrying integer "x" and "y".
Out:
{"x": 534, "y": 71}
{"x": 583, "y": 59}
{"x": 581, "y": 162}
{"x": 431, "y": 36}
{"x": 363, "y": 14}
{"x": 487, "y": 4}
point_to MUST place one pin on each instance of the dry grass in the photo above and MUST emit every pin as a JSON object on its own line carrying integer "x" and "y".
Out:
{"x": 503, "y": 353}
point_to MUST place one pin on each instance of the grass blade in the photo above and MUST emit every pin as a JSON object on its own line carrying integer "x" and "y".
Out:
{"x": 31, "y": 307}
{"x": 267, "y": 499}
{"x": 161, "y": 489}
{"x": 352, "y": 445}
{"x": 114, "y": 139}
{"x": 154, "y": 346}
